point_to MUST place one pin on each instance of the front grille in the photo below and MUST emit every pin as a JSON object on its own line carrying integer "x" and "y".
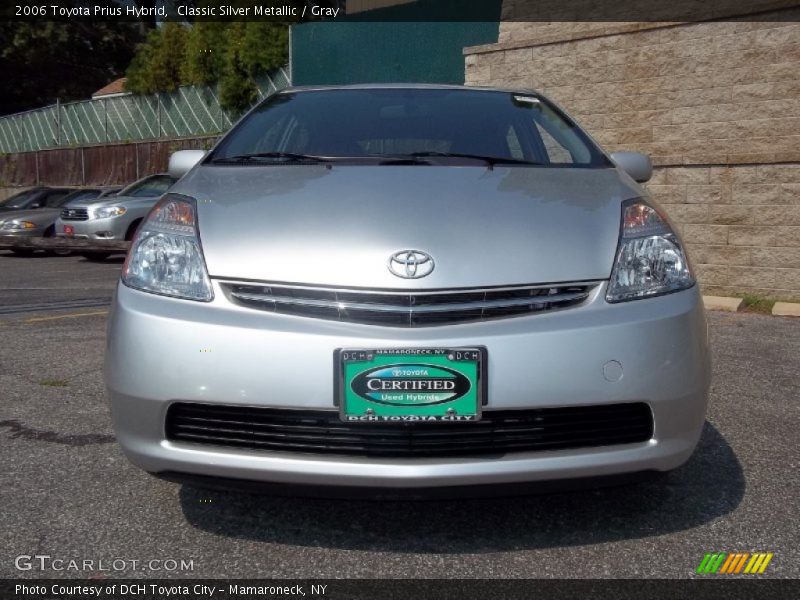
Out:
{"x": 74, "y": 214}
{"x": 408, "y": 309}
{"x": 321, "y": 432}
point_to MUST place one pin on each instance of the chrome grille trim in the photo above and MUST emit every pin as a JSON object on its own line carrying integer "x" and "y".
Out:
{"x": 511, "y": 302}
{"x": 401, "y": 308}
{"x": 75, "y": 214}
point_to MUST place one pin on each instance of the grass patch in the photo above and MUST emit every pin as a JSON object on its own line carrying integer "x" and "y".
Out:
{"x": 757, "y": 304}
{"x": 54, "y": 383}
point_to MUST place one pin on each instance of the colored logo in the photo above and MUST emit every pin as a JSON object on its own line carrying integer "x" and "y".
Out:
{"x": 733, "y": 563}
{"x": 411, "y": 264}
{"x": 410, "y": 385}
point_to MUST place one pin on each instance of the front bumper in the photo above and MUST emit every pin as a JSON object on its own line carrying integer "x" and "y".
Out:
{"x": 161, "y": 350}
{"x": 112, "y": 228}
{"x": 23, "y": 233}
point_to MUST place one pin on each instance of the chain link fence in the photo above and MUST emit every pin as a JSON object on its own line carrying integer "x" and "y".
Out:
{"x": 189, "y": 111}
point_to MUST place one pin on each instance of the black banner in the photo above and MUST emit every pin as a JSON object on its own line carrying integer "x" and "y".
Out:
{"x": 732, "y": 588}
{"x": 295, "y": 11}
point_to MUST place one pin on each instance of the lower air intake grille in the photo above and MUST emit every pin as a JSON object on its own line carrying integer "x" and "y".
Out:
{"x": 408, "y": 309}
{"x": 321, "y": 431}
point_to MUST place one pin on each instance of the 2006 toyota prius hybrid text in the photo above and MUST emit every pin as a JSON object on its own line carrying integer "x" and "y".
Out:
{"x": 404, "y": 287}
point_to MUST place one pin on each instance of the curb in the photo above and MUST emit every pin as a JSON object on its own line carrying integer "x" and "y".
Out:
{"x": 780, "y": 309}
{"x": 786, "y": 309}
{"x": 722, "y": 303}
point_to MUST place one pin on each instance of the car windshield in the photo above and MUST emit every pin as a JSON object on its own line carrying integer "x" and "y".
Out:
{"x": 19, "y": 200}
{"x": 148, "y": 187}
{"x": 76, "y": 196}
{"x": 427, "y": 124}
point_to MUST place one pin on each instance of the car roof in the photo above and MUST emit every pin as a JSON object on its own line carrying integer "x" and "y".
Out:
{"x": 48, "y": 188}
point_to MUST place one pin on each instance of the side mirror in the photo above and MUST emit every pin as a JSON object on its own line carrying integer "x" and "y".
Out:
{"x": 182, "y": 161}
{"x": 635, "y": 164}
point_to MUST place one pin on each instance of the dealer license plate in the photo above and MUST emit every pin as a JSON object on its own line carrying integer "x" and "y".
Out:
{"x": 402, "y": 385}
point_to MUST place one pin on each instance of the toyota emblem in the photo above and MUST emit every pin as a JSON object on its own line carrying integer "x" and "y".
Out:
{"x": 411, "y": 264}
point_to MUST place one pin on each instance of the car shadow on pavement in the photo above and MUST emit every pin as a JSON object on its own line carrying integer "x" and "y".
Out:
{"x": 710, "y": 485}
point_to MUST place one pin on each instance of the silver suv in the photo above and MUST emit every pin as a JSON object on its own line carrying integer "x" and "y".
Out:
{"x": 113, "y": 218}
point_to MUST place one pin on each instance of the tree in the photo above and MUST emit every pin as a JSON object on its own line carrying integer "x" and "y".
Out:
{"x": 205, "y": 53}
{"x": 157, "y": 64}
{"x": 148, "y": 22}
{"x": 44, "y": 61}
{"x": 237, "y": 90}
{"x": 254, "y": 48}
{"x": 138, "y": 73}
{"x": 265, "y": 46}
{"x": 231, "y": 54}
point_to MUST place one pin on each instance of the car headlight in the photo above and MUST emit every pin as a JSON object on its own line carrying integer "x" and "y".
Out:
{"x": 104, "y": 212}
{"x": 650, "y": 259}
{"x": 17, "y": 225}
{"x": 166, "y": 256}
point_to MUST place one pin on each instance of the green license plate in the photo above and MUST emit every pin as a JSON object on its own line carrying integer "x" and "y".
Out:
{"x": 402, "y": 385}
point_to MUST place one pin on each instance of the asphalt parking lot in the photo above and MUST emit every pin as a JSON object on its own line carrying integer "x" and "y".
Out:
{"x": 67, "y": 491}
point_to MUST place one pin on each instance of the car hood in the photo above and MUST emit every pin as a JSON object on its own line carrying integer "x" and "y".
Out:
{"x": 339, "y": 226}
{"x": 40, "y": 216}
{"x": 129, "y": 202}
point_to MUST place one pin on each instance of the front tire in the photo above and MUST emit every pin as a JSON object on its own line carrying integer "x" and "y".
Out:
{"x": 132, "y": 230}
{"x": 51, "y": 232}
{"x": 96, "y": 256}
{"x": 23, "y": 251}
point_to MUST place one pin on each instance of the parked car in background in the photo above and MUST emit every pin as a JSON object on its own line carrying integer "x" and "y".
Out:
{"x": 89, "y": 194}
{"x": 80, "y": 196}
{"x": 405, "y": 287}
{"x": 38, "y": 197}
{"x": 34, "y": 213}
{"x": 115, "y": 217}
{"x": 112, "y": 191}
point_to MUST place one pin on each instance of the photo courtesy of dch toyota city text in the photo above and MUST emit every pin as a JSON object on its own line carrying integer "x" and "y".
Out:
{"x": 400, "y": 299}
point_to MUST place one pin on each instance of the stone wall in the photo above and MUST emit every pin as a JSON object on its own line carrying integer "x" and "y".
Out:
{"x": 715, "y": 104}
{"x": 741, "y": 224}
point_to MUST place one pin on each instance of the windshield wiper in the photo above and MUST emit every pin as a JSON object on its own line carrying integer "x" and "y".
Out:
{"x": 489, "y": 160}
{"x": 262, "y": 156}
{"x": 418, "y": 157}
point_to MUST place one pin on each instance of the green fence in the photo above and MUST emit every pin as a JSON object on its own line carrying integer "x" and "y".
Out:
{"x": 190, "y": 111}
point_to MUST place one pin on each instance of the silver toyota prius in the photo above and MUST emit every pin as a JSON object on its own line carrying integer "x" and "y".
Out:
{"x": 407, "y": 287}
